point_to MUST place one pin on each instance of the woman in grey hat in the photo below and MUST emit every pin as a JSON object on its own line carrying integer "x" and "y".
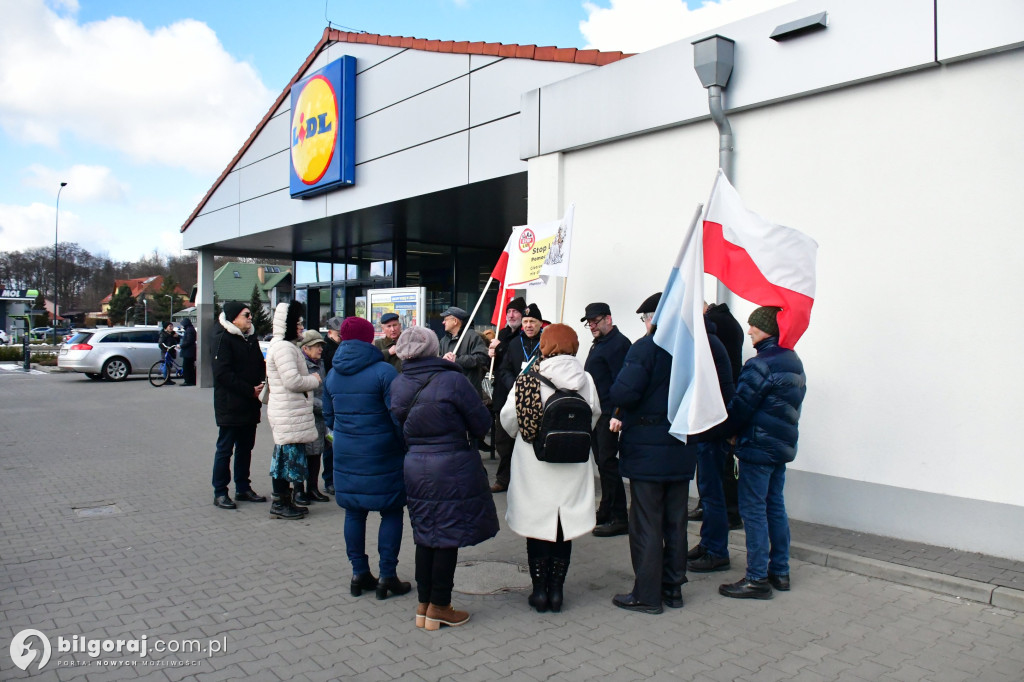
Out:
{"x": 450, "y": 503}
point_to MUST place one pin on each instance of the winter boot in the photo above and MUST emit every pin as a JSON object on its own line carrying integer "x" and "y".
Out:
{"x": 540, "y": 566}
{"x": 437, "y": 616}
{"x": 556, "y": 581}
{"x": 300, "y": 495}
{"x": 283, "y": 509}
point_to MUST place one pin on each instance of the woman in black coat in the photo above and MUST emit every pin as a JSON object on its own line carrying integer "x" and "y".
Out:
{"x": 188, "y": 351}
{"x": 450, "y": 503}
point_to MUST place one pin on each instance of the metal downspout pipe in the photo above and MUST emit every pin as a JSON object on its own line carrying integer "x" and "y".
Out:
{"x": 725, "y": 148}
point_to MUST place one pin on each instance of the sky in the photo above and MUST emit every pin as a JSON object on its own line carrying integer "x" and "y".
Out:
{"x": 139, "y": 105}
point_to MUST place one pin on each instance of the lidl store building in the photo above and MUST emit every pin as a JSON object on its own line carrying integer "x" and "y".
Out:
{"x": 889, "y": 132}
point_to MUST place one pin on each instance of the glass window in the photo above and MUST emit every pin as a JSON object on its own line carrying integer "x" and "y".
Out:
{"x": 237, "y": 275}
{"x": 305, "y": 272}
{"x": 80, "y": 337}
{"x": 112, "y": 338}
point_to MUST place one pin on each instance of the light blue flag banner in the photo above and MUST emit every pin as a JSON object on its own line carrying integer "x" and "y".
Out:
{"x": 694, "y": 397}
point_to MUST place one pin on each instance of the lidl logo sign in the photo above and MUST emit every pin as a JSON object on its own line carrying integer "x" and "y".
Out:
{"x": 323, "y": 129}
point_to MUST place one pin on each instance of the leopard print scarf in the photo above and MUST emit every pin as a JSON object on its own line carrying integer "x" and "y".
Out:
{"x": 529, "y": 406}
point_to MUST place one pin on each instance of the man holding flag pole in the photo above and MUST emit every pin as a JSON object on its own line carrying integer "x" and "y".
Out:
{"x": 773, "y": 266}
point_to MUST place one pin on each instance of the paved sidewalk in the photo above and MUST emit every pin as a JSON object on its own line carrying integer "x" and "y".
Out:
{"x": 108, "y": 532}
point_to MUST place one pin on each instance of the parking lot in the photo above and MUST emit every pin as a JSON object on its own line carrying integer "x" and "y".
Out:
{"x": 108, "y": 533}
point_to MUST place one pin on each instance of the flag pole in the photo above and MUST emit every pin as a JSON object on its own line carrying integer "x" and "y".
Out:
{"x": 561, "y": 312}
{"x": 473, "y": 314}
{"x": 501, "y": 301}
{"x": 682, "y": 251}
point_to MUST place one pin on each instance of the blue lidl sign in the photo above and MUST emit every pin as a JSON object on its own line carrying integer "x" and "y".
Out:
{"x": 322, "y": 131}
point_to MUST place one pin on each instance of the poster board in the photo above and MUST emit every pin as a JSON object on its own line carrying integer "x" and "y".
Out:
{"x": 406, "y": 302}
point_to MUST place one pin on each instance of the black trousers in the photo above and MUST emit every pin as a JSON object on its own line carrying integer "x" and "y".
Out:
{"x": 435, "y": 574}
{"x": 613, "y": 492}
{"x": 503, "y": 445}
{"x": 657, "y": 536}
{"x": 189, "y": 369}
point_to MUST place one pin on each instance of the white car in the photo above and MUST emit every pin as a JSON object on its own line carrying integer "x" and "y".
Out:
{"x": 4, "y": 339}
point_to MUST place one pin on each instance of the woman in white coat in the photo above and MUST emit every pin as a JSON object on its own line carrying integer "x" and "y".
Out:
{"x": 550, "y": 504}
{"x": 290, "y": 409}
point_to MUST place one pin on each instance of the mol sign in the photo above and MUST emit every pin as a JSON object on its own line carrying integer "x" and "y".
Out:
{"x": 322, "y": 129}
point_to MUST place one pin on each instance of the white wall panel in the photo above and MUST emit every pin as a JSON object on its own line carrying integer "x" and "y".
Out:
{"x": 272, "y": 139}
{"x": 494, "y": 150}
{"x": 264, "y": 177}
{"x": 427, "y": 168}
{"x": 225, "y": 195}
{"x": 970, "y": 26}
{"x": 410, "y": 73}
{"x": 433, "y": 114}
{"x": 271, "y": 211}
{"x": 478, "y": 61}
{"x": 367, "y": 56}
{"x": 495, "y": 90}
{"x": 864, "y": 39}
{"x": 211, "y": 227}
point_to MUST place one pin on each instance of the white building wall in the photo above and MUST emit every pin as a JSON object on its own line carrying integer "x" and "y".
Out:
{"x": 910, "y": 185}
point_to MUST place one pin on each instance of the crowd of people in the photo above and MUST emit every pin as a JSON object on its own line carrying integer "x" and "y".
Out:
{"x": 395, "y": 423}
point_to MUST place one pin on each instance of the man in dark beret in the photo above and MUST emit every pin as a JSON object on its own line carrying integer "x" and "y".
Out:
{"x": 392, "y": 326}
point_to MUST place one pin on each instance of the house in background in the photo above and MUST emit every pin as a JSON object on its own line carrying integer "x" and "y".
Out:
{"x": 233, "y": 281}
{"x": 142, "y": 286}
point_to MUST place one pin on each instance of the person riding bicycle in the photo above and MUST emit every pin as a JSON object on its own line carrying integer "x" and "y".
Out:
{"x": 168, "y": 343}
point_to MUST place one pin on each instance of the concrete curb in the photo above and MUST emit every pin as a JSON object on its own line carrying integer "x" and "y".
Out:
{"x": 950, "y": 585}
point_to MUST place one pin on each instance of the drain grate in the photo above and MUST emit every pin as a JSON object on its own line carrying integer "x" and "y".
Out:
{"x": 97, "y": 510}
{"x": 490, "y": 577}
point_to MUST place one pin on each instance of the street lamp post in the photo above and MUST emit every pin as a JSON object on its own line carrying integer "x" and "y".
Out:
{"x": 145, "y": 316}
{"x": 170, "y": 317}
{"x": 56, "y": 223}
{"x": 131, "y": 307}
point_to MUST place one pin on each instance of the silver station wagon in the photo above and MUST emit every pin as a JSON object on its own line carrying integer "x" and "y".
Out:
{"x": 111, "y": 352}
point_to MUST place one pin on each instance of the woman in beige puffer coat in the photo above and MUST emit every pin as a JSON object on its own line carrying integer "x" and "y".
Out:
{"x": 290, "y": 409}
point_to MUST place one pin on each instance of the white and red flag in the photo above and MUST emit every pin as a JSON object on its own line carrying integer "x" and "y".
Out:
{"x": 505, "y": 296}
{"x": 765, "y": 263}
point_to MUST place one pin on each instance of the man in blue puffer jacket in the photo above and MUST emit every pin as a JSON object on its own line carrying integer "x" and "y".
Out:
{"x": 764, "y": 415}
{"x": 369, "y": 455}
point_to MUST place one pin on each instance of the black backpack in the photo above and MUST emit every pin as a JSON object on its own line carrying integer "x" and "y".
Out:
{"x": 564, "y": 435}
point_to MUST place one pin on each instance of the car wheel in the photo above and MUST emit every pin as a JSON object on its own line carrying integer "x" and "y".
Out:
{"x": 94, "y": 376}
{"x": 116, "y": 369}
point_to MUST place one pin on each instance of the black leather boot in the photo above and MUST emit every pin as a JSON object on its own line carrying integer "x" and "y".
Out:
{"x": 556, "y": 581}
{"x": 362, "y": 582}
{"x": 392, "y": 585}
{"x": 540, "y": 567}
{"x": 300, "y": 495}
{"x": 283, "y": 509}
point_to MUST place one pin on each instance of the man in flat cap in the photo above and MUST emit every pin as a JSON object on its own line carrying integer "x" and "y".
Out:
{"x": 472, "y": 356}
{"x": 764, "y": 414}
{"x": 603, "y": 364}
{"x": 392, "y": 327}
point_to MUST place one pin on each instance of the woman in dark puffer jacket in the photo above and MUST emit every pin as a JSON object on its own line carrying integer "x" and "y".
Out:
{"x": 450, "y": 503}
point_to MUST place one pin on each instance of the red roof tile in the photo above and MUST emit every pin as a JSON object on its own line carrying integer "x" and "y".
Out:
{"x": 550, "y": 54}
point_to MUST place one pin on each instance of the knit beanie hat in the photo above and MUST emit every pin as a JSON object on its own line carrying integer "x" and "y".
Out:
{"x": 532, "y": 311}
{"x": 356, "y": 329}
{"x": 764, "y": 319}
{"x": 232, "y": 309}
{"x": 417, "y": 342}
{"x": 517, "y": 303}
{"x": 559, "y": 339}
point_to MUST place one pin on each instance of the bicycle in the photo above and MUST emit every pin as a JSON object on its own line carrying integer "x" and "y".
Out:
{"x": 164, "y": 370}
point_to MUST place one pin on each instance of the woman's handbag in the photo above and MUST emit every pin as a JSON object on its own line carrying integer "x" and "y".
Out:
{"x": 265, "y": 393}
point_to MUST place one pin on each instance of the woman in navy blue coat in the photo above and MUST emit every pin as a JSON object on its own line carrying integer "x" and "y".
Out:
{"x": 368, "y": 455}
{"x": 450, "y": 503}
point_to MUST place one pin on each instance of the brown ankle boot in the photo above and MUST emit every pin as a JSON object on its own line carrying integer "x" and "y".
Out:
{"x": 437, "y": 616}
{"x": 421, "y": 615}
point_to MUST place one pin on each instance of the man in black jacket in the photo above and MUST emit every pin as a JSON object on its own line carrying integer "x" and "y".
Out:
{"x": 188, "y": 352}
{"x": 239, "y": 372}
{"x": 503, "y": 443}
{"x": 603, "y": 364}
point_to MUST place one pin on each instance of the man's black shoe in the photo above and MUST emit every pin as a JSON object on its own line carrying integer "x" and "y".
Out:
{"x": 250, "y": 496}
{"x": 708, "y": 563}
{"x": 300, "y": 498}
{"x": 779, "y": 582}
{"x": 747, "y": 589}
{"x": 317, "y": 496}
{"x": 696, "y": 553}
{"x": 329, "y": 489}
{"x": 696, "y": 514}
{"x": 672, "y": 596}
{"x": 630, "y": 603}
{"x": 224, "y": 502}
{"x": 612, "y": 528}
{"x": 603, "y": 517}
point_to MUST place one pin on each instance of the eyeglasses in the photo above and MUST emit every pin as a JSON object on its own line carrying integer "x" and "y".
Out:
{"x": 594, "y": 322}
{"x": 646, "y": 317}
{"x": 246, "y": 314}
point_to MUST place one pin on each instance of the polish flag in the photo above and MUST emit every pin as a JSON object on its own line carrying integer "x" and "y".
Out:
{"x": 505, "y": 296}
{"x": 765, "y": 263}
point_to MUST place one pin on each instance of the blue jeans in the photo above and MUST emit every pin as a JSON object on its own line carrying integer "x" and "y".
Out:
{"x": 764, "y": 517}
{"x": 389, "y": 540}
{"x": 714, "y": 529}
{"x": 240, "y": 440}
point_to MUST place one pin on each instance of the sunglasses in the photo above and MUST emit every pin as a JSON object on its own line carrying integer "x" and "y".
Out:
{"x": 246, "y": 314}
